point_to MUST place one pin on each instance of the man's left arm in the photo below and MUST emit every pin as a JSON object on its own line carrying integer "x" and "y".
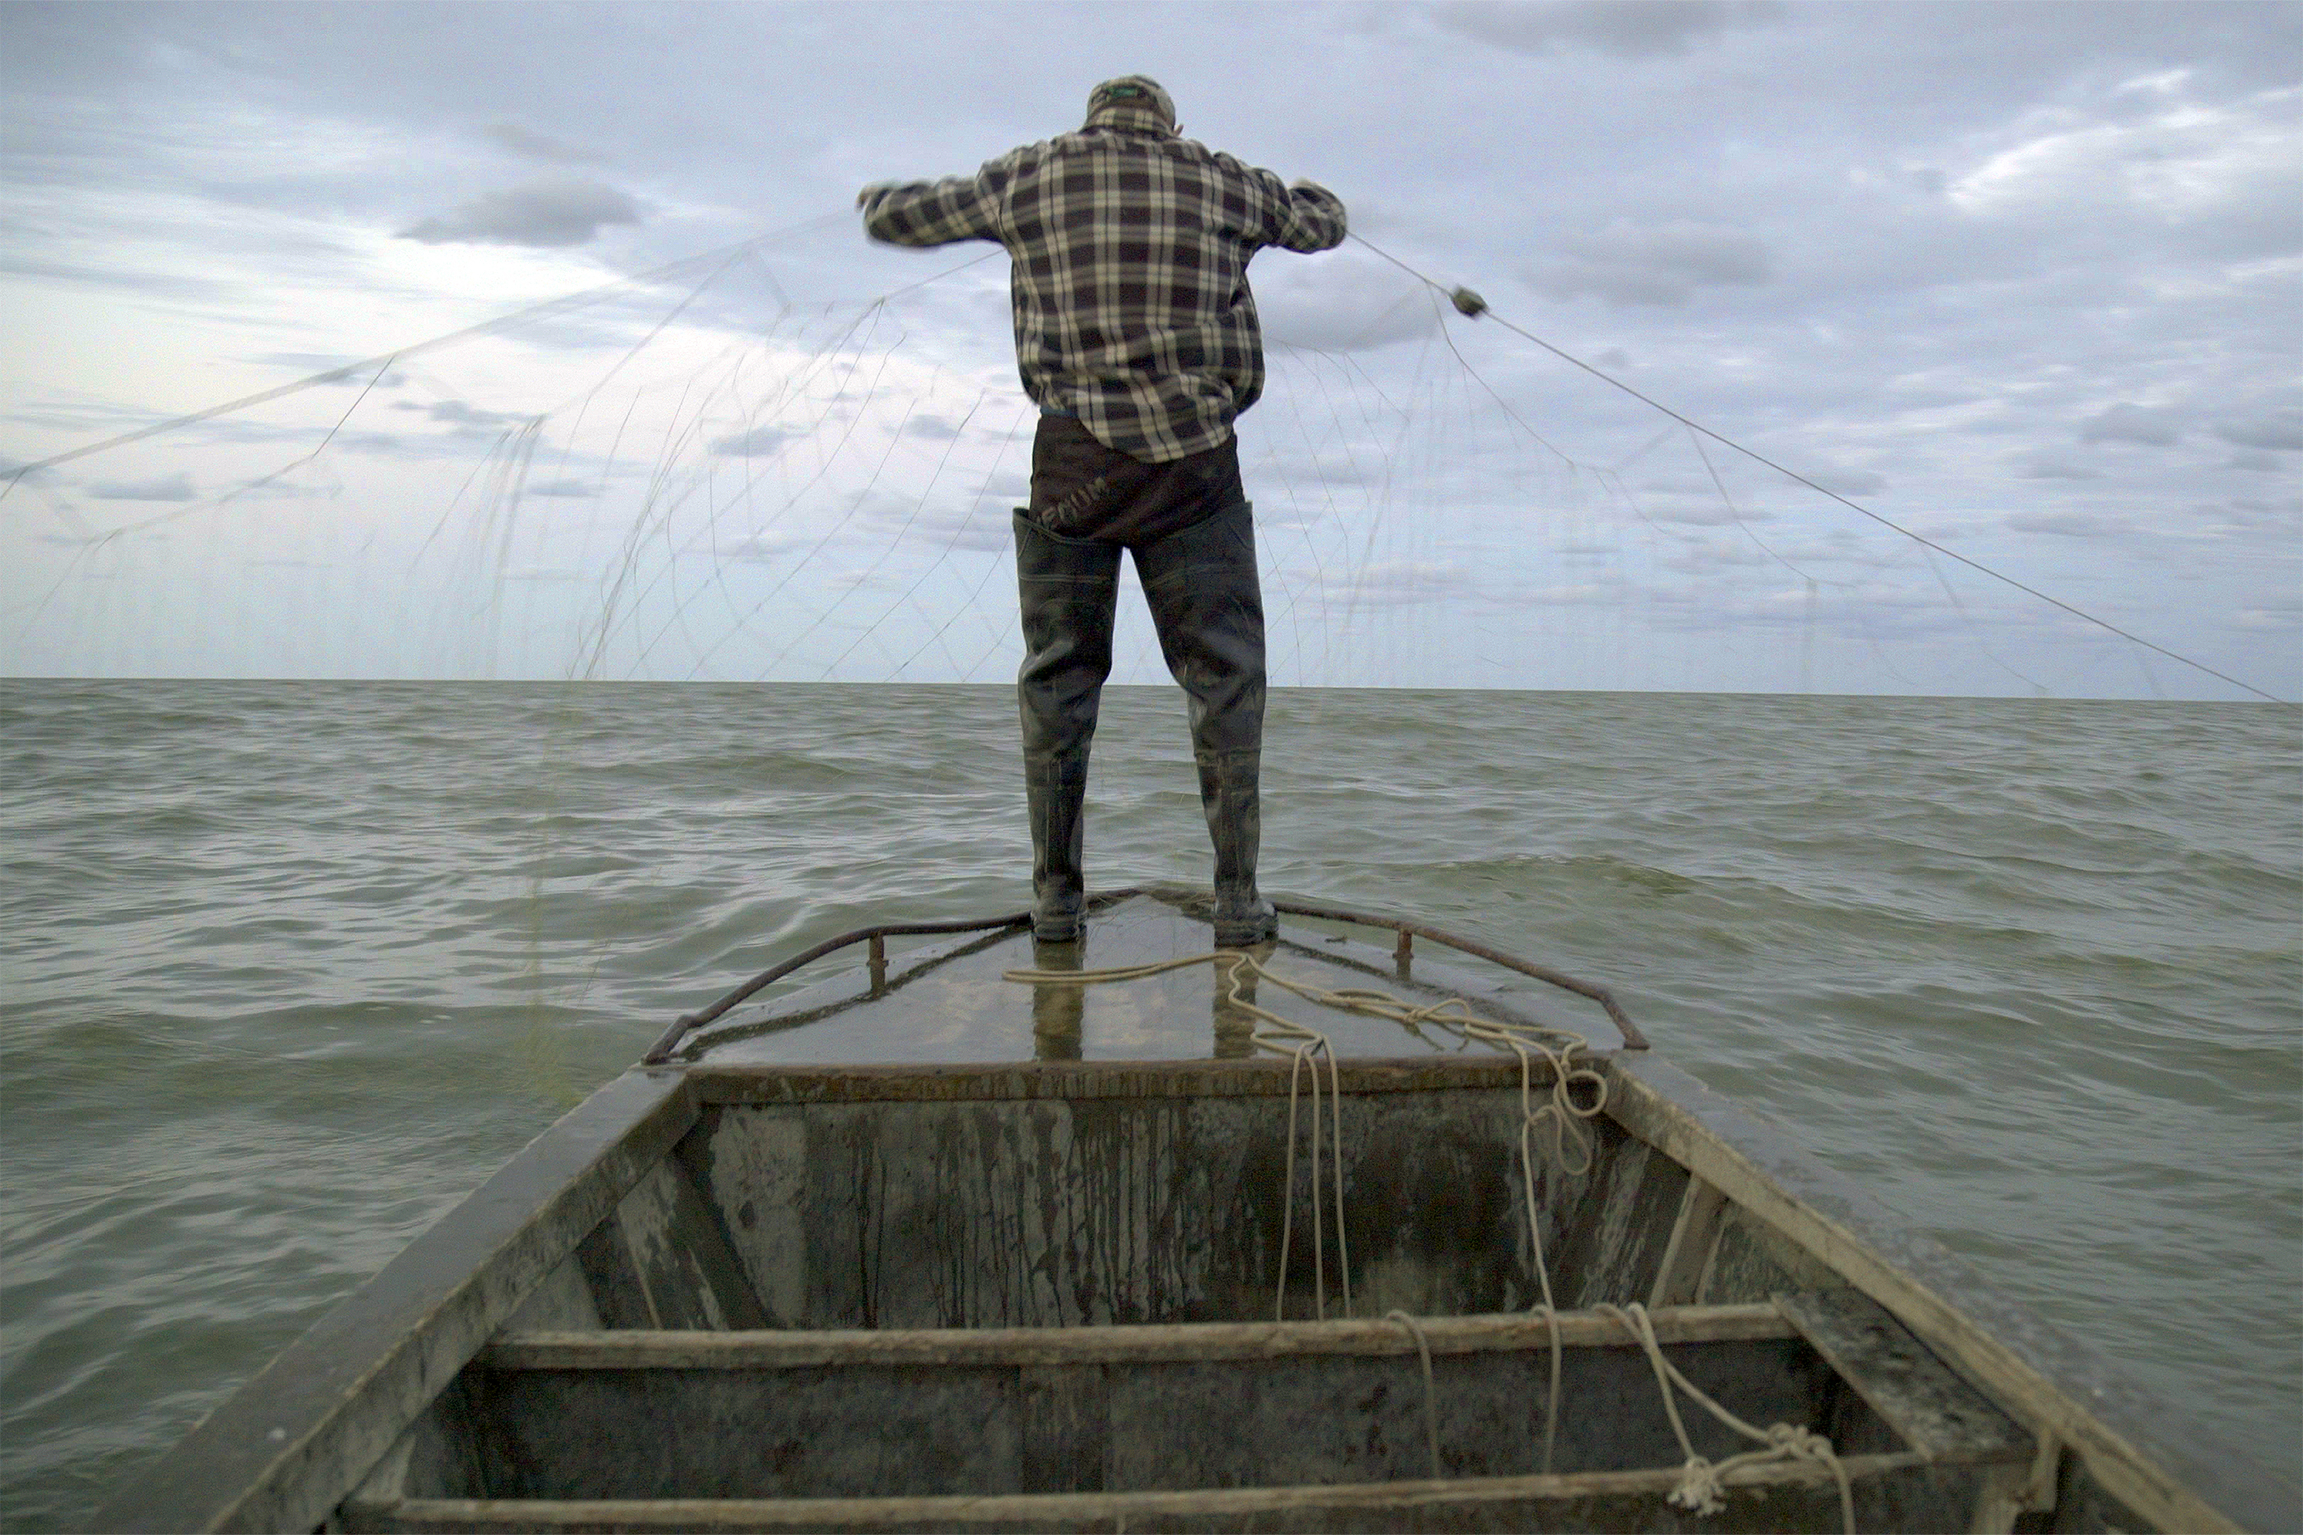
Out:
{"x": 1310, "y": 218}
{"x": 1306, "y": 217}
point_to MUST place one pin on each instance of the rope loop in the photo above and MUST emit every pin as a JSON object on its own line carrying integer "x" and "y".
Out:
{"x": 1702, "y": 1483}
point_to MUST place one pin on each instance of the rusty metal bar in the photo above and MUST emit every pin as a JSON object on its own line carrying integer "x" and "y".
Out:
{"x": 1632, "y": 1038}
{"x": 877, "y": 937}
{"x": 661, "y": 1051}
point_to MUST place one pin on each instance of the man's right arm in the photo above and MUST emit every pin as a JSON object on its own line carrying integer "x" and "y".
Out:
{"x": 937, "y": 212}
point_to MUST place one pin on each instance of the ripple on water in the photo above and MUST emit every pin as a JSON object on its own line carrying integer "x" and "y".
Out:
{"x": 294, "y": 966}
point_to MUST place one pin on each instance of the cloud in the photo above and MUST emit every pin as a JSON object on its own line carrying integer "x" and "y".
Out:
{"x": 1716, "y": 554}
{"x": 2278, "y": 429}
{"x": 2042, "y": 468}
{"x": 759, "y": 548}
{"x": 176, "y": 487}
{"x": 2245, "y": 514}
{"x": 1397, "y": 584}
{"x": 759, "y": 442}
{"x": 1636, "y": 30}
{"x": 1327, "y": 471}
{"x": 546, "y": 213}
{"x": 2257, "y": 460}
{"x": 332, "y": 371}
{"x": 1658, "y": 264}
{"x": 935, "y": 428}
{"x": 1712, "y": 516}
{"x": 979, "y": 526}
{"x": 1848, "y": 482}
{"x": 2230, "y": 174}
{"x": 535, "y": 145}
{"x": 1340, "y": 303}
{"x": 2066, "y": 524}
{"x": 1589, "y": 594}
{"x": 564, "y": 488}
{"x": 456, "y": 413}
{"x": 2131, "y": 423}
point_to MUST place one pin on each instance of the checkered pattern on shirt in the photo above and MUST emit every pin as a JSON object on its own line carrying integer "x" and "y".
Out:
{"x": 1131, "y": 246}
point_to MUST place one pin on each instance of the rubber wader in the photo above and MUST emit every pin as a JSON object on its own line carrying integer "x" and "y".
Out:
{"x": 1200, "y": 583}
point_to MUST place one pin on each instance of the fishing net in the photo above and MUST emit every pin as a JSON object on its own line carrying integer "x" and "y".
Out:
{"x": 695, "y": 476}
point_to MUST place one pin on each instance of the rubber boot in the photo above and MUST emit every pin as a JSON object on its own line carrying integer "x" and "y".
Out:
{"x": 1229, "y": 785}
{"x": 1067, "y": 589}
{"x": 1208, "y": 607}
{"x": 1055, "y": 791}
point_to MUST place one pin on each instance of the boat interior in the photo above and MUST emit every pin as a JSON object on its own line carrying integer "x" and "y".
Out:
{"x": 944, "y": 1242}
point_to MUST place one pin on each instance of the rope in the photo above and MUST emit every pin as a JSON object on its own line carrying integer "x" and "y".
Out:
{"x": 1281, "y": 1036}
{"x": 1701, "y": 1486}
{"x": 1473, "y": 306}
{"x": 1560, "y": 1115}
{"x": 1430, "y": 1397}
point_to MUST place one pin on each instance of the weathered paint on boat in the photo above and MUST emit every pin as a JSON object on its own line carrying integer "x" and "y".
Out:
{"x": 936, "y": 1285}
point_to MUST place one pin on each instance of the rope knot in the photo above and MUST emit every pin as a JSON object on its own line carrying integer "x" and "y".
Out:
{"x": 1799, "y": 1443}
{"x": 1699, "y": 1490}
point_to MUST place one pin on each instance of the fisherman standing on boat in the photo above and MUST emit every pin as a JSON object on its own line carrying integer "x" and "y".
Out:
{"x": 1137, "y": 336}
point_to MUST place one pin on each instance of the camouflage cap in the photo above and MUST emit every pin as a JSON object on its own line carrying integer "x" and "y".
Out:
{"x": 1131, "y": 101}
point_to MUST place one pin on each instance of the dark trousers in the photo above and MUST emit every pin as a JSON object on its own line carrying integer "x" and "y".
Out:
{"x": 1191, "y": 533}
{"x": 1200, "y": 583}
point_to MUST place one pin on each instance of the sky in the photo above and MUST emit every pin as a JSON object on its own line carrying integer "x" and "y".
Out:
{"x": 2021, "y": 280}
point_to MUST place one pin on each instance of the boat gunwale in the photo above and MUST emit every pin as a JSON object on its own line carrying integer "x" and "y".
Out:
{"x": 290, "y": 1444}
{"x": 2050, "y": 1383}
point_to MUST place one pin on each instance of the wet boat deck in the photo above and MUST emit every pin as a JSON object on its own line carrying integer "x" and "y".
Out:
{"x": 949, "y": 1003}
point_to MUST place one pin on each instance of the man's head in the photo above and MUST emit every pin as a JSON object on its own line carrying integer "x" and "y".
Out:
{"x": 1131, "y": 101}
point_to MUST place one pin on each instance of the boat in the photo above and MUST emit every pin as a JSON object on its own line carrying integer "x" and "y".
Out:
{"x": 1329, "y": 1235}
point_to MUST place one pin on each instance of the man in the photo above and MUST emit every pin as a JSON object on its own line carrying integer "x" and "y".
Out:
{"x": 1137, "y": 336}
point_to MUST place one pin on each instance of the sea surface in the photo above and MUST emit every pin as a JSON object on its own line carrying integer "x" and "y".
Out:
{"x": 292, "y": 967}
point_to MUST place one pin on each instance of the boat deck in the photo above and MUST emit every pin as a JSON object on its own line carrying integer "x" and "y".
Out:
{"x": 947, "y": 1003}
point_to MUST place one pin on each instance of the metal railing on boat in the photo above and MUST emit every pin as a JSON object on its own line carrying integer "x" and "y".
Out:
{"x": 1407, "y": 929}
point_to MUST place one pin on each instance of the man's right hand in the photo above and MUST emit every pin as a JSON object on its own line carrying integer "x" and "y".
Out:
{"x": 869, "y": 192}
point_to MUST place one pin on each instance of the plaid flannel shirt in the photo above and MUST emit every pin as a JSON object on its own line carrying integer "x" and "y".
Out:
{"x": 1131, "y": 245}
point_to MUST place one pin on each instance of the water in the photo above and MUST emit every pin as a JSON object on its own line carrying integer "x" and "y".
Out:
{"x": 293, "y": 966}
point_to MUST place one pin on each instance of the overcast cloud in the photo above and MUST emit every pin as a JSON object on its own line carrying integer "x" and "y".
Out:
{"x": 2022, "y": 277}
